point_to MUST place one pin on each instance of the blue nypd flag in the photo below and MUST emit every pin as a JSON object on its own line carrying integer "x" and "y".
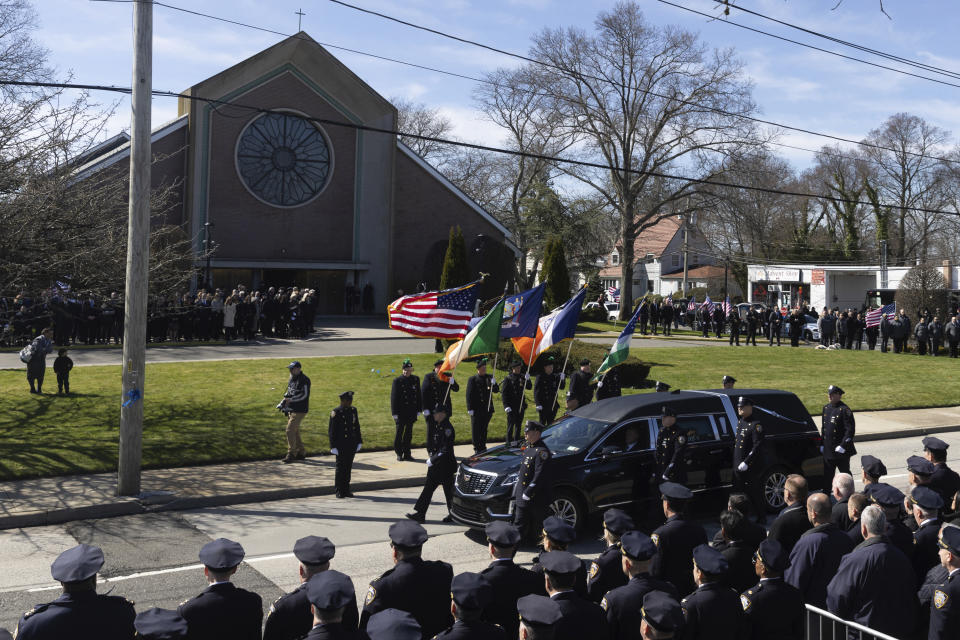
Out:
{"x": 521, "y": 313}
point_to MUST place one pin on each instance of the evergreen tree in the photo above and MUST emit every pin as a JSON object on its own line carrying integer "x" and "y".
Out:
{"x": 455, "y": 271}
{"x": 555, "y": 273}
{"x": 594, "y": 287}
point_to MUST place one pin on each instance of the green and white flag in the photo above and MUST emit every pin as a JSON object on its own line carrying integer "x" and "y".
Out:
{"x": 621, "y": 348}
{"x": 484, "y": 338}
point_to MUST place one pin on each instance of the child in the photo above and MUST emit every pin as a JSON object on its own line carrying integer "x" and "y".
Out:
{"x": 62, "y": 366}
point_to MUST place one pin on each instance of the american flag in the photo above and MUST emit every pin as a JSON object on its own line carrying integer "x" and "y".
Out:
{"x": 873, "y": 317}
{"x": 708, "y": 303}
{"x": 435, "y": 314}
{"x": 614, "y": 293}
{"x": 692, "y": 305}
{"x": 668, "y": 302}
{"x": 727, "y": 307}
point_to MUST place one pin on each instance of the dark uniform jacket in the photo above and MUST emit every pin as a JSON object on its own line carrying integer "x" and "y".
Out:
{"x": 580, "y": 389}
{"x": 606, "y": 573}
{"x": 344, "y": 429}
{"x": 623, "y": 605}
{"x": 789, "y": 526}
{"x": 290, "y": 617}
{"x": 477, "y": 630}
{"x": 945, "y": 609}
{"x": 675, "y": 540}
{"x": 609, "y": 386}
{"x": 531, "y": 479}
{"x": 545, "y": 390}
{"x": 510, "y": 582}
{"x": 946, "y": 482}
{"x": 814, "y": 560}
{"x": 926, "y": 553}
{"x": 417, "y": 586}
{"x": 749, "y": 439}
{"x": 840, "y": 515}
{"x": 79, "y": 616}
{"x": 838, "y": 430}
{"x": 440, "y": 446}
{"x": 774, "y": 610}
{"x": 952, "y": 331}
{"x": 405, "y": 400}
{"x": 433, "y": 392}
{"x": 874, "y": 586}
{"x": 740, "y": 575}
{"x": 332, "y": 631}
{"x": 671, "y": 445}
{"x": 298, "y": 394}
{"x": 900, "y": 536}
{"x": 479, "y": 389}
{"x": 511, "y": 393}
{"x": 223, "y": 610}
{"x": 580, "y": 618}
{"x": 713, "y": 611}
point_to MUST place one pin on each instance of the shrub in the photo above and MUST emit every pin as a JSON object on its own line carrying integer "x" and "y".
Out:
{"x": 593, "y": 314}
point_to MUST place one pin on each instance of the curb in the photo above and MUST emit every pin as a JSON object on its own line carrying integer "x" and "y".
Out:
{"x": 906, "y": 433}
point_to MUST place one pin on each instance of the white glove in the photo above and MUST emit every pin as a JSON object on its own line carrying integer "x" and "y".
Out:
{"x": 470, "y": 413}
{"x": 840, "y": 450}
{"x": 359, "y": 444}
{"x": 334, "y": 451}
{"x": 426, "y": 412}
{"x": 562, "y": 376}
{"x": 508, "y": 409}
{"x": 665, "y": 478}
{"x": 539, "y": 408}
{"x": 526, "y": 376}
{"x": 452, "y": 380}
{"x": 395, "y": 418}
{"x": 821, "y": 448}
{"x": 429, "y": 462}
{"x": 525, "y": 497}
{"x": 742, "y": 467}
{"x": 599, "y": 385}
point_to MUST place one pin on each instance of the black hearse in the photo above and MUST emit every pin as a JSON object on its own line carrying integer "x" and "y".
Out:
{"x": 592, "y": 472}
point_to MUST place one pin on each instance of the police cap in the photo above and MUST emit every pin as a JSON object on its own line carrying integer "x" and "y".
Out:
{"x": 886, "y": 495}
{"x": 77, "y": 564}
{"x": 561, "y": 562}
{"x": 294, "y": 364}
{"x": 926, "y": 498}
{"x": 314, "y": 550}
{"x": 471, "y": 591}
{"x": 920, "y": 466}
{"x": 744, "y": 402}
{"x": 935, "y": 444}
{"x": 407, "y": 533}
{"x": 662, "y": 612}
{"x": 661, "y": 387}
{"x": 514, "y": 364}
{"x": 533, "y": 425}
{"x": 160, "y": 624}
{"x": 393, "y": 624}
{"x": 668, "y": 411}
{"x": 675, "y": 491}
{"x": 221, "y": 554}
{"x": 834, "y": 389}
{"x": 873, "y": 466}
{"x": 330, "y": 590}
{"x": 437, "y": 363}
{"x": 558, "y": 530}
{"x": 503, "y": 534}
{"x": 407, "y": 364}
{"x": 584, "y": 362}
{"x": 950, "y": 539}
{"x": 709, "y": 559}
{"x": 549, "y": 360}
{"x": 5, "y": 635}
{"x": 637, "y": 545}
{"x": 773, "y": 555}
{"x": 729, "y": 379}
{"x": 482, "y": 362}
{"x": 617, "y": 521}
{"x": 346, "y": 395}
{"x": 538, "y": 611}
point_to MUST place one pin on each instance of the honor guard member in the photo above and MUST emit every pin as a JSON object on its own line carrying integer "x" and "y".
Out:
{"x": 676, "y": 539}
{"x": 774, "y": 609}
{"x": 749, "y": 440}
{"x": 330, "y": 594}
{"x": 433, "y": 391}
{"x": 838, "y": 430}
{"x": 606, "y": 572}
{"x": 393, "y": 624}
{"x": 728, "y": 382}
{"x": 480, "y": 389}
{"x": 661, "y": 617}
{"x": 580, "y": 392}
{"x": 580, "y": 617}
{"x": 539, "y": 616}
{"x": 80, "y": 613}
{"x": 290, "y": 617}
{"x": 873, "y": 470}
{"x": 406, "y": 403}
{"x": 671, "y": 448}
{"x": 531, "y": 491}
{"x": 714, "y": 610}
{"x": 441, "y": 468}
{"x": 890, "y": 500}
{"x": 926, "y": 510}
{"x": 514, "y": 399}
{"x": 509, "y": 580}
{"x": 609, "y": 385}
{"x": 160, "y": 624}
{"x": 345, "y": 441}
{"x": 470, "y": 594}
{"x": 557, "y": 535}
{"x": 661, "y": 387}
{"x": 546, "y": 390}
{"x": 944, "y": 480}
{"x": 945, "y": 606}
{"x": 622, "y": 604}
{"x": 222, "y": 610}
{"x": 420, "y": 587}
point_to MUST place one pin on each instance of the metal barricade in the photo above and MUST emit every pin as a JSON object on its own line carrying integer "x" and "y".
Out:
{"x": 823, "y": 625}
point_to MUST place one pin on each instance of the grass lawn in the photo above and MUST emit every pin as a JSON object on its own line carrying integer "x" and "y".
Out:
{"x": 202, "y": 412}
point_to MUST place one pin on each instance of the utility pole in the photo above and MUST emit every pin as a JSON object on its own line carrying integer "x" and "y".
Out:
{"x": 883, "y": 265}
{"x": 686, "y": 248}
{"x": 138, "y": 254}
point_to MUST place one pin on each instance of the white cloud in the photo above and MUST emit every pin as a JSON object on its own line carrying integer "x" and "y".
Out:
{"x": 470, "y": 125}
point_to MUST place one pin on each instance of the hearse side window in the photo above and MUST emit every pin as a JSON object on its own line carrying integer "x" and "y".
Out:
{"x": 618, "y": 438}
{"x": 722, "y": 426}
{"x": 696, "y": 428}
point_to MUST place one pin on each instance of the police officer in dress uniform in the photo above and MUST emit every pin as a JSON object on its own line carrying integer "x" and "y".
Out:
{"x": 160, "y": 624}
{"x": 80, "y": 613}
{"x": 557, "y": 535}
{"x": 546, "y": 391}
{"x": 661, "y": 617}
{"x": 676, "y": 540}
{"x": 606, "y": 572}
{"x": 580, "y": 392}
{"x": 944, "y": 480}
{"x": 926, "y": 510}
{"x": 289, "y": 617}
{"x": 749, "y": 440}
{"x": 838, "y": 431}
{"x": 222, "y": 610}
{"x": 470, "y": 594}
{"x": 890, "y": 500}
{"x": 433, "y": 391}
{"x": 345, "y": 441}
{"x": 392, "y": 624}
{"x": 714, "y": 610}
{"x": 330, "y": 594}
{"x": 609, "y": 385}
{"x": 480, "y": 388}
{"x": 581, "y": 618}
{"x": 420, "y": 587}
{"x": 406, "y": 403}
{"x": 532, "y": 490}
{"x": 671, "y": 448}
{"x": 774, "y": 609}
{"x": 441, "y": 468}
{"x": 509, "y": 580}
{"x": 728, "y": 382}
{"x": 873, "y": 469}
{"x": 945, "y": 606}
{"x": 539, "y": 617}
{"x": 514, "y": 399}
{"x": 622, "y": 604}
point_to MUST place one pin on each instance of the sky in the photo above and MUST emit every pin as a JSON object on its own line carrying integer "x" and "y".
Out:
{"x": 792, "y": 85}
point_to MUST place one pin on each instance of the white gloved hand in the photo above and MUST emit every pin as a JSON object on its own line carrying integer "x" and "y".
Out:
{"x": 840, "y": 450}
{"x": 821, "y": 448}
{"x": 359, "y": 445}
{"x": 539, "y": 408}
{"x": 395, "y": 418}
{"x": 334, "y": 451}
{"x": 665, "y": 478}
{"x": 470, "y": 412}
{"x": 742, "y": 467}
{"x": 429, "y": 462}
{"x": 526, "y": 376}
{"x": 563, "y": 376}
{"x": 525, "y": 497}
{"x": 452, "y": 380}
{"x": 599, "y": 385}
{"x": 426, "y": 412}
{"x": 508, "y": 409}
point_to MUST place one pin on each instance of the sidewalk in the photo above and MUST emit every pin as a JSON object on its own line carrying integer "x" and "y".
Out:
{"x": 44, "y": 501}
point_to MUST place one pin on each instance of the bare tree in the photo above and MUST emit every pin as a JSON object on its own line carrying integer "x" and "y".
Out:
{"x": 921, "y": 289}
{"x": 421, "y": 120}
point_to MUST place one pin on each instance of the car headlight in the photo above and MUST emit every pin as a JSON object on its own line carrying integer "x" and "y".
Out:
{"x": 510, "y": 480}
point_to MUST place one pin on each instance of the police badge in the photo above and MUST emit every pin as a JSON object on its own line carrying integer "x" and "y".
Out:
{"x": 371, "y": 595}
{"x": 939, "y": 599}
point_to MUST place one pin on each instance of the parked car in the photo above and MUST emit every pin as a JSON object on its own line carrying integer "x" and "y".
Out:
{"x": 613, "y": 310}
{"x": 811, "y": 332}
{"x": 591, "y": 472}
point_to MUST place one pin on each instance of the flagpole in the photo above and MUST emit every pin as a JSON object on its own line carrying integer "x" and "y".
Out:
{"x": 523, "y": 389}
{"x": 563, "y": 370}
{"x": 490, "y": 398}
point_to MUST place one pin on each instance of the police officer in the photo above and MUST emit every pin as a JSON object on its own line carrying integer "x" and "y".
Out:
{"x": 406, "y": 403}
{"x": 539, "y": 616}
{"x": 609, "y": 385}
{"x": 295, "y": 404}
{"x": 581, "y": 618}
{"x": 509, "y": 580}
{"x": 872, "y": 470}
{"x": 531, "y": 491}
{"x": 514, "y": 399}
{"x": 160, "y": 624}
{"x": 580, "y": 392}
{"x": 676, "y": 539}
{"x": 420, "y": 587}
{"x": 749, "y": 440}
{"x": 671, "y": 448}
{"x": 890, "y": 499}
{"x": 441, "y": 468}
{"x": 606, "y": 572}
{"x": 774, "y": 326}
{"x": 480, "y": 388}
{"x": 926, "y": 510}
{"x": 470, "y": 594}
{"x": 817, "y": 553}
{"x": 393, "y": 624}
{"x": 838, "y": 431}
{"x": 774, "y": 609}
{"x": 289, "y": 617}
{"x": 753, "y": 320}
{"x": 733, "y": 319}
{"x": 222, "y": 610}
{"x": 557, "y": 535}
{"x": 435, "y": 396}
{"x": 944, "y": 480}
{"x": 546, "y": 390}
{"x": 80, "y": 612}
{"x": 345, "y": 441}
{"x": 945, "y": 606}
{"x": 728, "y": 382}
{"x": 330, "y": 594}
{"x": 661, "y": 617}
{"x": 714, "y": 609}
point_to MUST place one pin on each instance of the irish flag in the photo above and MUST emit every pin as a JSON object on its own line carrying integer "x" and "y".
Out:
{"x": 621, "y": 348}
{"x": 484, "y": 338}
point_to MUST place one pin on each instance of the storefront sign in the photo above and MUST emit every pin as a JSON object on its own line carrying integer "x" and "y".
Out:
{"x": 816, "y": 276}
{"x": 773, "y": 274}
